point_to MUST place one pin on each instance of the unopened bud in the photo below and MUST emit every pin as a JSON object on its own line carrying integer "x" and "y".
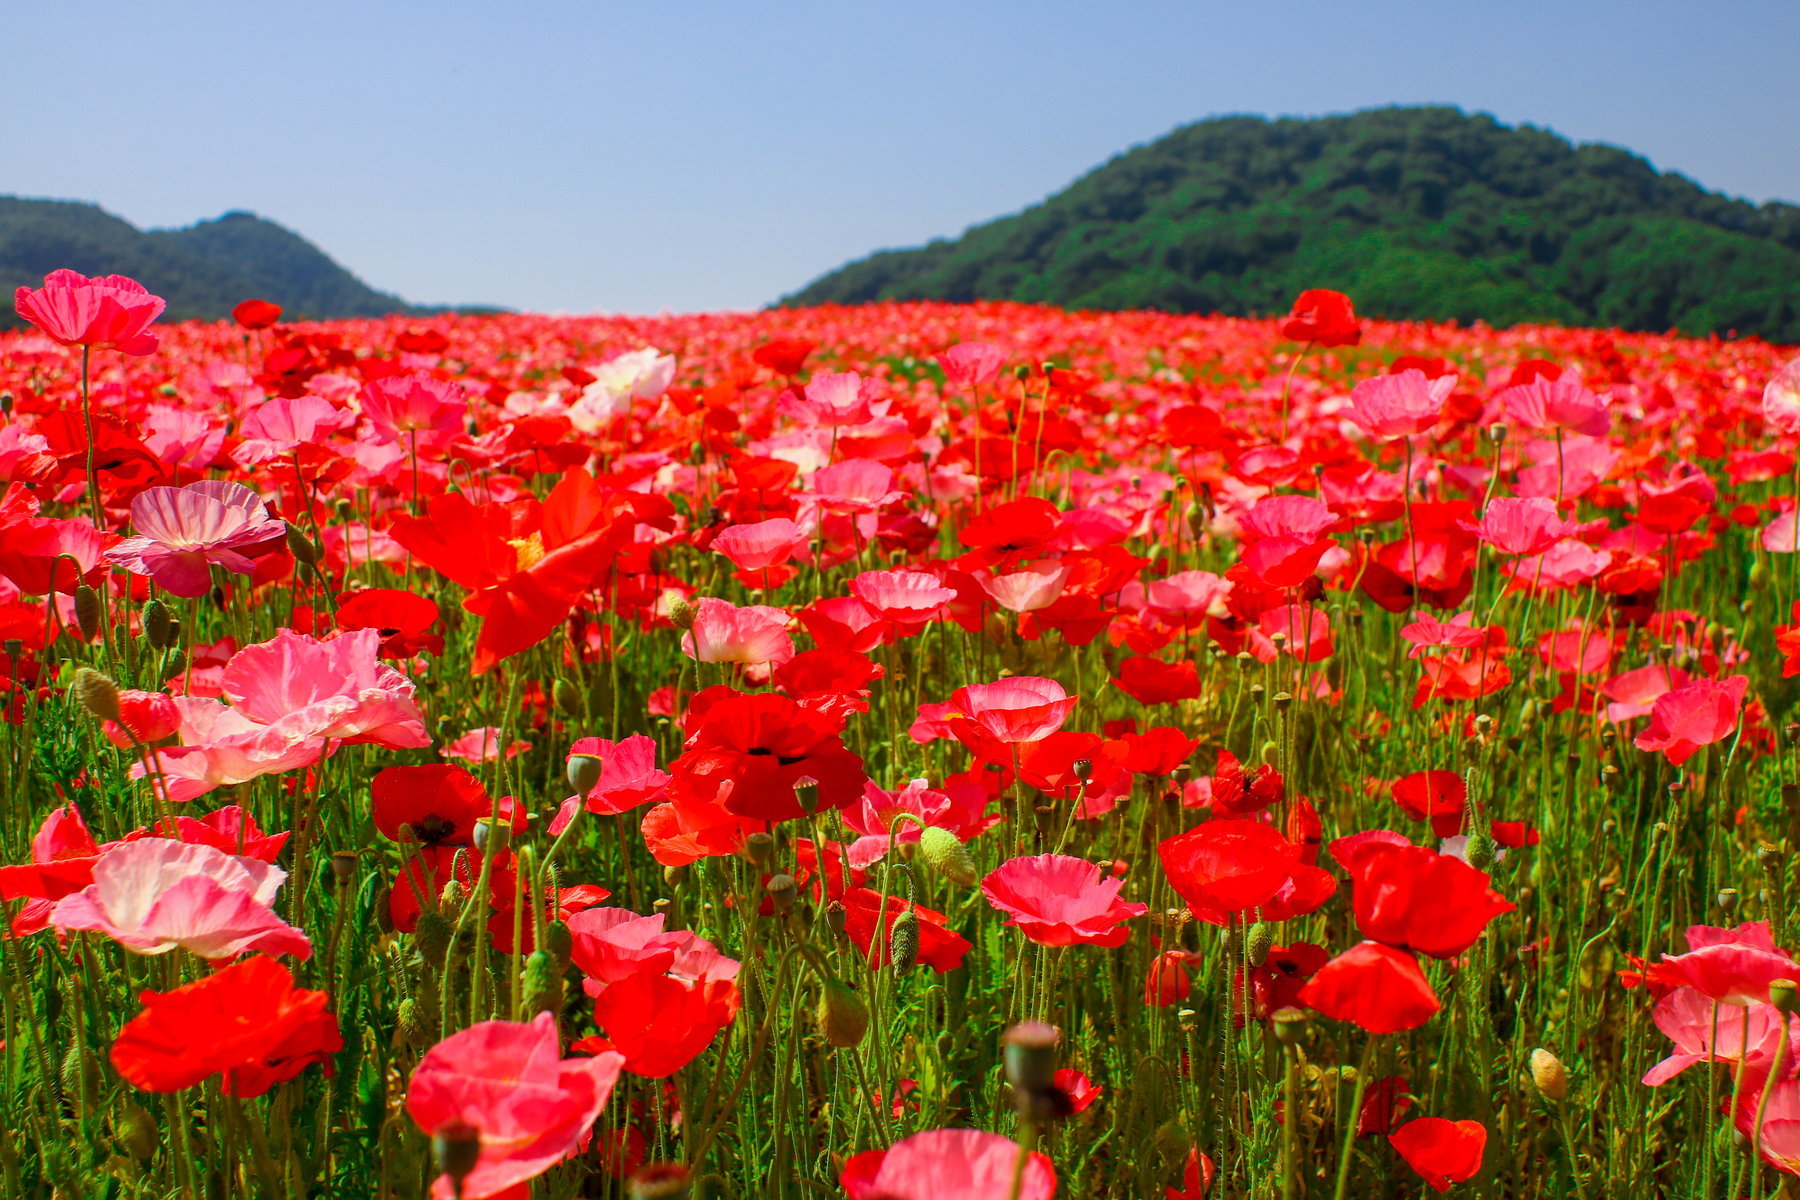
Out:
{"x": 159, "y": 624}
{"x": 96, "y": 693}
{"x": 89, "y": 613}
{"x": 559, "y": 943}
{"x": 432, "y": 937}
{"x": 903, "y": 942}
{"x": 567, "y": 698}
{"x": 1479, "y": 849}
{"x": 945, "y": 853}
{"x": 137, "y": 1131}
{"x": 1257, "y": 944}
{"x": 543, "y": 984}
{"x": 301, "y": 546}
{"x": 660, "y": 1181}
{"x": 1548, "y": 1074}
{"x": 682, "y": 613}
{"x": 843, "y": 1016}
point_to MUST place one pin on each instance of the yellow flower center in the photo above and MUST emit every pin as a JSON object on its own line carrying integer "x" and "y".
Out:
{"x": 529, "y": 549}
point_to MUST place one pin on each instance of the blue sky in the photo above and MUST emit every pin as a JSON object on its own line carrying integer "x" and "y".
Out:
{"x": 684, "y": 155}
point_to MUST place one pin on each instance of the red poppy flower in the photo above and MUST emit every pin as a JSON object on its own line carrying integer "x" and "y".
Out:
{"x": 1372, "y": 986}
{"x": 940, "y": 948}
{"x": 1442, "y": 1152}
{"x": 247, "y": 1022}
{"x": 1435, "y": 796}
{"x": 402, "y": 618}
{"x": 1415, "y": 898}
{"x": 1225, "y": 867}
{"x": 1237, "y": 792}
{"x": 750, "y": 752}
{"x": 661, "y": 1023}
{"x": 256, "y": 314}
{"x": 440, "y": 801}
{"x": 784, "y": 356}
{"x": 1323, "y": 317}
{"x": 1150, "y": 681}
{"x": 1383, "y": 1104}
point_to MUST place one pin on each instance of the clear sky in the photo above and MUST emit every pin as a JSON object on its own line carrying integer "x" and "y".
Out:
{"x": 685, "y": 155}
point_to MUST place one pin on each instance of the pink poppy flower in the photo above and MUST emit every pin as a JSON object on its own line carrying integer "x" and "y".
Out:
{"x": 947, "y": 1164}
{"x": 483, "y": 746}
{"x": 402, "y": 408}
{"x": 105, "y": 312}
{"x": 1729, "y": 966}
{"x": 609, "y": 945}
{"x": 1284, "y": 538}
{"x": 1779, "y": 1144}
{"x": 754, "y": 635}
{"x": 906, "y": 599}
{"x": 221, "y": 747}
{"x": 1694, "y": 715}
{"x": 1395, "y": 406}
{"x": 1305, "y": 627}
{"x": 833, "y": 401}
{"x": 1781, "y": 400}
{"x": 761, "y": 550}
{"x": 1059, "y": 900}
{"x": 530, "y": 1107}
{"x": 1632, "y": 694}
{"x": 961, "y": 808}
{"x": 1686, "y": 1017}
{"x": 1036, "y": 586}
{"x": 1520, "y": 526}
{"x": 971, "y": 364}
{"x": 281, "y": 426}
{"x": 1024, "y": 708}
{"x": 338, "y": 689}
{"x": 1560, "y": 403}
{"x": 183, "y": 531}
{"x": 154, "y": 895}
{"x": 629, "y": 775}
{"x": 63, "y": 854}
{"x": 857, "y": 486}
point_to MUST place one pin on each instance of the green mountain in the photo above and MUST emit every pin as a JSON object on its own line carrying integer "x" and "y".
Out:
{"x": 1413, "y": 212}
{"x": 202, "y": 271}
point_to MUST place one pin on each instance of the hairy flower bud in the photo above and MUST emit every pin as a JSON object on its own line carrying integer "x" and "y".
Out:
{"x": 1548, "y": 1075}
{"x": 89, "y": 612}
{"x": 1257, "y": 943}
{"x": 432, "y": 937}
{"x": 559, "y": 943}
{"x": 682, "y": 613}
{"x": 136, "y": 1130}
{"x": 301, "y": 547}
{"x": 96, "y": 693}
{"x": 947, "y": 855}
{"x": 903, "y": 942}
{"x": 543, "y": 985}
{"x": 843, "y": 1016}
{"x": 660, "y": 1181}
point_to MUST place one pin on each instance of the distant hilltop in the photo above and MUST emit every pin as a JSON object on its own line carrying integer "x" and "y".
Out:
{"x": 1416, "y": 213}
{"x": 202, "y": 270}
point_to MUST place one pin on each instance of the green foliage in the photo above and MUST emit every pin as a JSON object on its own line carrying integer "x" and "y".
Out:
{"x": 202, "y": 271}
{"x": 1414, "y": 212}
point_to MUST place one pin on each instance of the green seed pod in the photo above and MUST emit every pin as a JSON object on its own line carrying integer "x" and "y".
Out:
{"x": 456, "y": 1148}
{"x": 583, "y": 773}
{"x": 1759, "y": 576}
{"x": 89, "y": 612}
{"x": 559, "y": 943}
{"x": 946, "y": 854}
{"x": 159, "y": 624}
{"x": 759, "y": 847}
{"x": 432, "y": 937}
{"x": 96, "y": 693}
{"x": 1257, "y": 943}
{"x": 843, "y": 1016}
{"x": 903, "y": 942}
{"x": 782, "y": 889}
{"x": 543, "y": 985}
{"x": 1291, "y": 1025}
{"x": 136, "y": 1130}
{"x": 1030, "y": 1055}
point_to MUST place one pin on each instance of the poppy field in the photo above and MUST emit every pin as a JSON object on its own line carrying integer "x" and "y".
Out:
{"x": 903, "y": 752}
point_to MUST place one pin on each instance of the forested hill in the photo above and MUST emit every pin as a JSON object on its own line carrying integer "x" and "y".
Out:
{"x": 201, "y": 270}
{"x": 1414, "y": 212}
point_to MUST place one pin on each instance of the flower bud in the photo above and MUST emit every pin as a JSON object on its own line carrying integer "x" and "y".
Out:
{"x": 903, "y": 942}
{"x": 136, "y": 1130}
{"x": 945, "y": 853}
{"x": 559, "y": 943}
{"x": 567, "y": 698}
{"x": 96, "y": 693}
{"x": 682, "y": 613}
{"x": 1257, "y": 944}
{"x": 843, "y": 1016}
{"x": 543, "y": 985}
{"x": 89, "y": 612}
{"x": 415, "y": 1023}
{"x": 432, "y": 937}
{"x": 1548, "y": 1074}
{"x": 583, "y": 773}
{"x": 1479, "y": 849}
{"x": 301, "y": 547}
